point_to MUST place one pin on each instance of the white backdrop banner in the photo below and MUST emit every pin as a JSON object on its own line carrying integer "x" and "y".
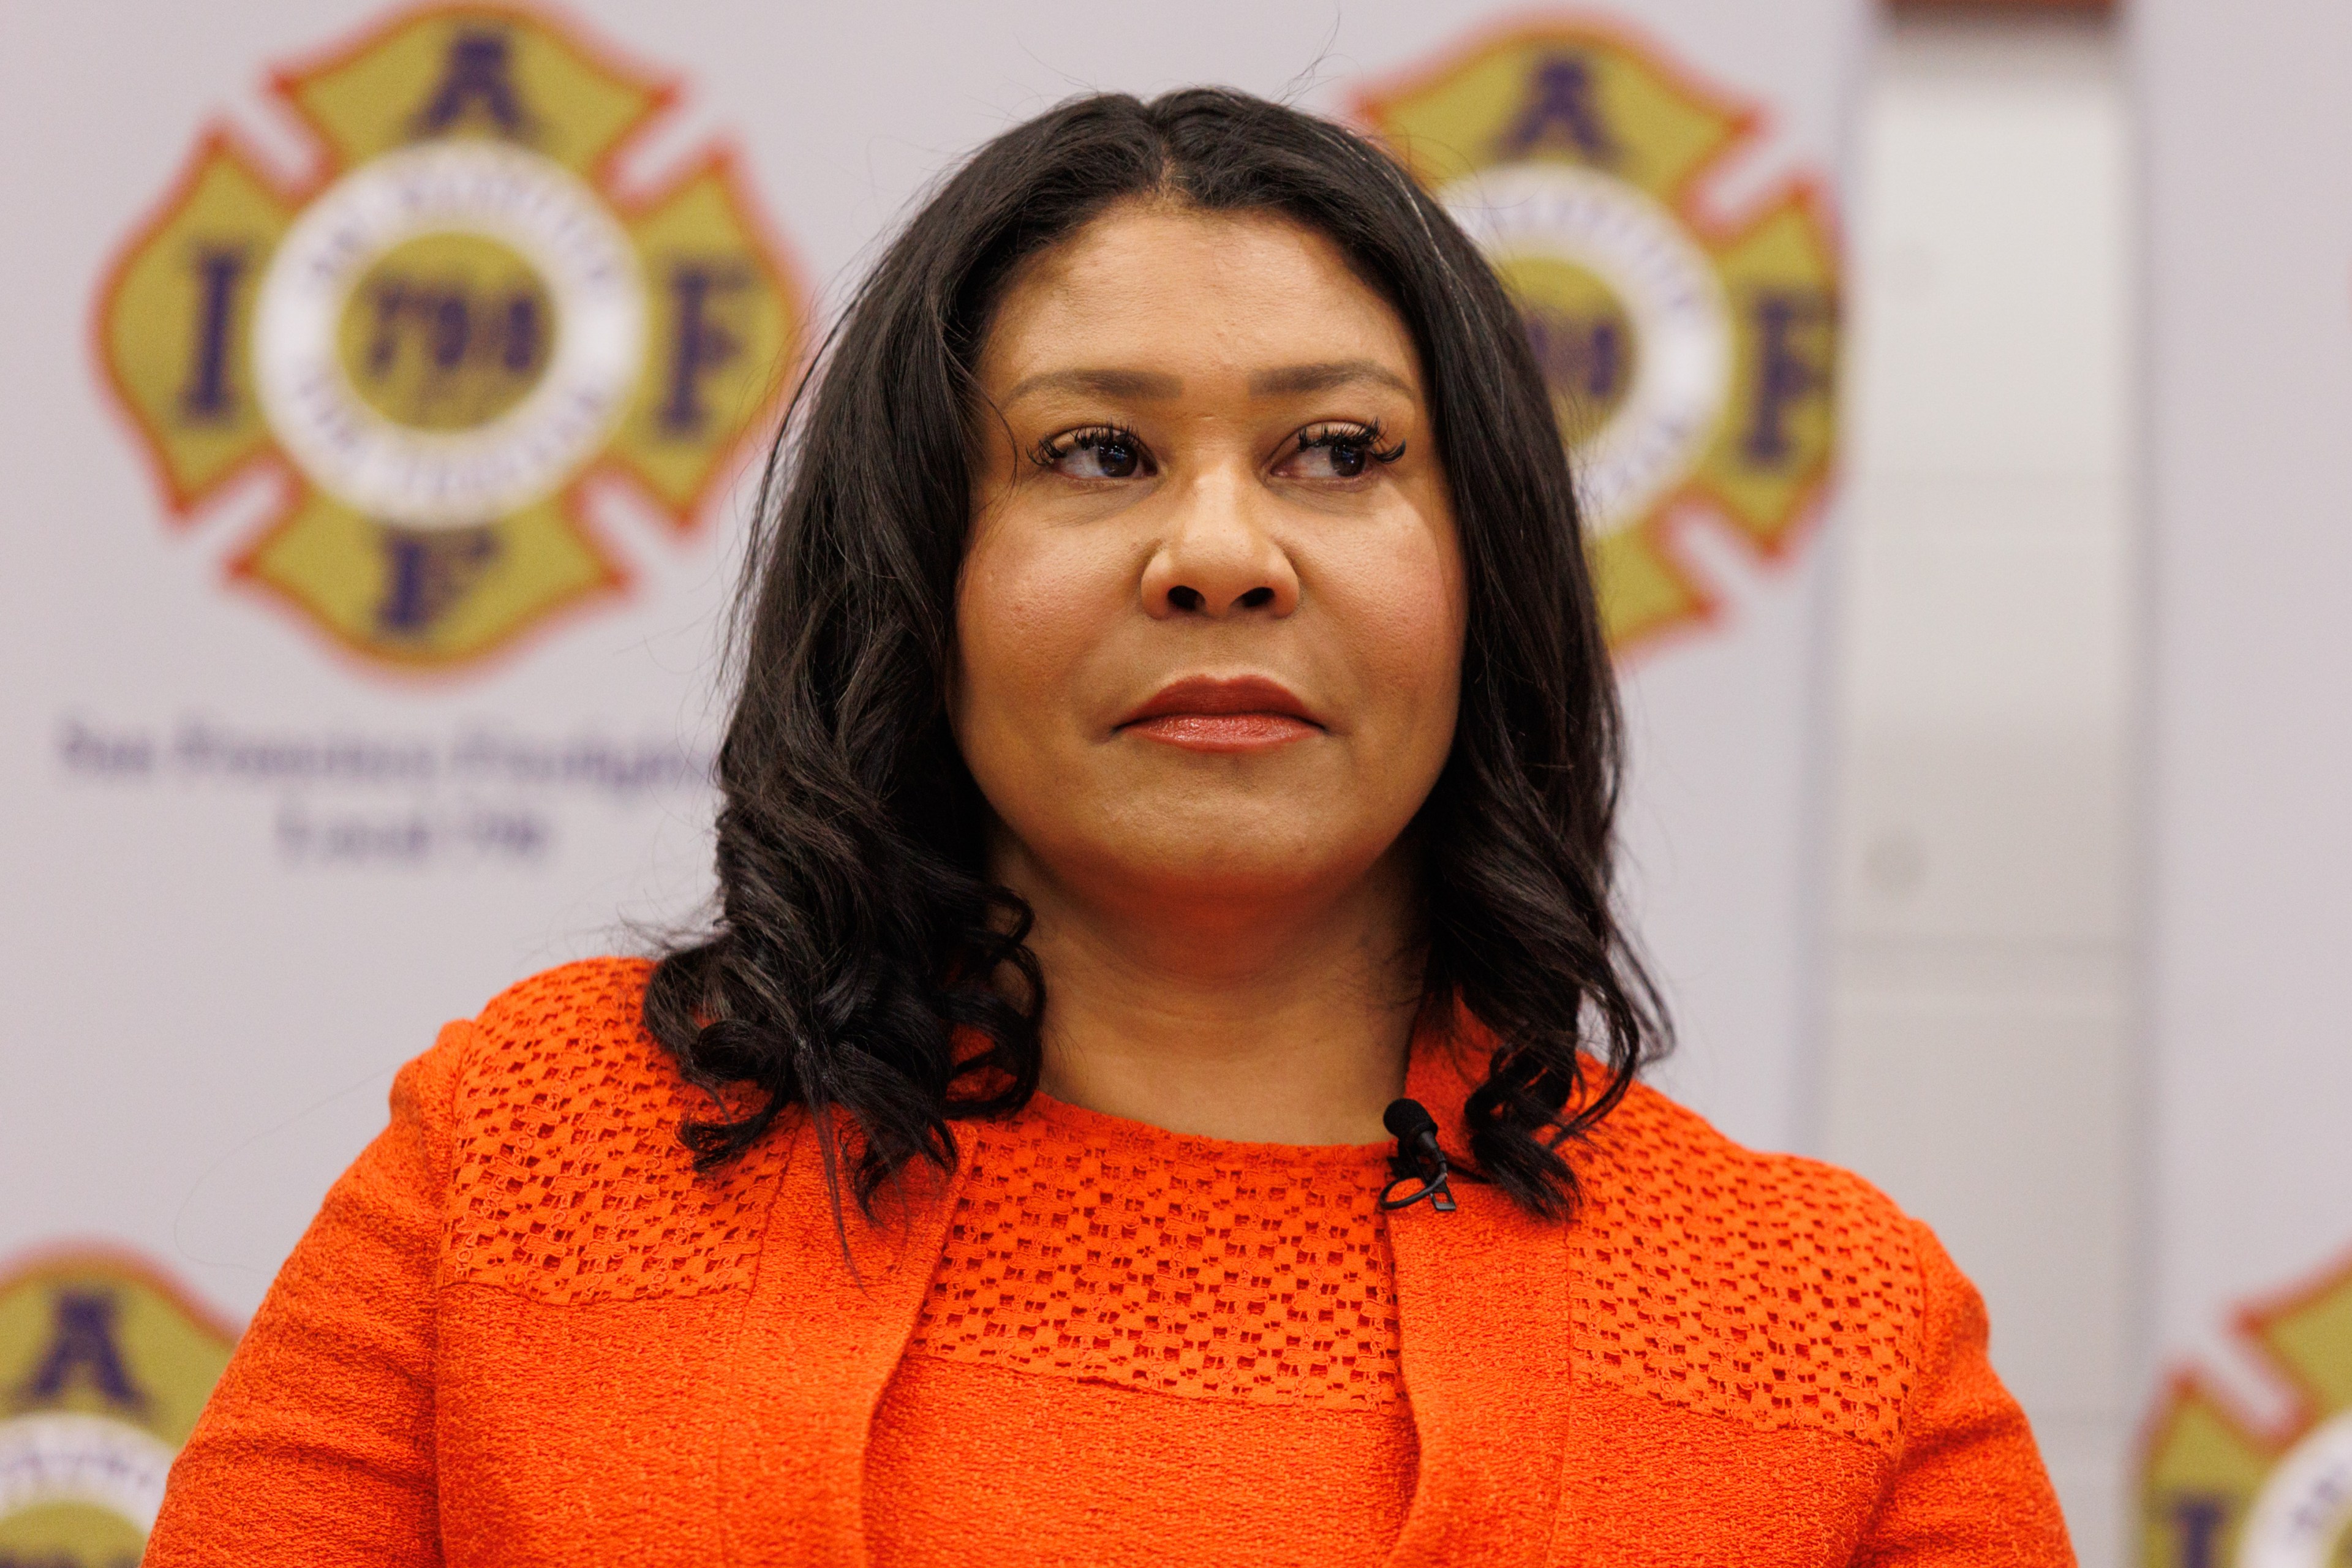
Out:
{"x": 2249, "y": 1437}
{"x": 384, "y": 386}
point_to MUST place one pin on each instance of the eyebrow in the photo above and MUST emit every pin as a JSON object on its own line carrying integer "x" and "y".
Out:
{"x": 1294, "y": 379}
{"x": 1139, "y": 384}
{"x": 1290, "y": 380}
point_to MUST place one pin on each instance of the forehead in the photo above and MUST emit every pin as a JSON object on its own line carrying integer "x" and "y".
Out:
{"x": 1177, "y": 288}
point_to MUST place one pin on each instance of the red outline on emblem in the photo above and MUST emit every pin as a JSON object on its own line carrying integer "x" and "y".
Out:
{"x": 612, "y": 582}
{"x": 1807, "y": 191}
{"x": 218, "y": 138}
{"x": 1747, "y": 121}
{"x": 720, "y": 152}
{"x": 724, "y": 156}
{"x": 111, "y": 1256}
{"x": 1813, "y": 489}
{"x": 663, "y": 87}
{"x": 2248, "y": 1323}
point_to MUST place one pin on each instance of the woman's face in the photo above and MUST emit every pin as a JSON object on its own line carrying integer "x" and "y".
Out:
{"x": 1209, "y": 624}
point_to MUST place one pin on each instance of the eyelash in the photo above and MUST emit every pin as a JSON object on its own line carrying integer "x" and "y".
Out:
{"x": 1053, "y": 449}
{"x": 1368, "y": 436}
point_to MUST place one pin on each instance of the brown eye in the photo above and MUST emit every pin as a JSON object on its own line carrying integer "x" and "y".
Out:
{"x": 1341, "y": 452}
{"x": 1105, "y": 454}
{"x": 1347, "y": 458}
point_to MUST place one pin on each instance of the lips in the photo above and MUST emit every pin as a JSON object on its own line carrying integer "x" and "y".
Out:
{"x": 1205, "y": 713}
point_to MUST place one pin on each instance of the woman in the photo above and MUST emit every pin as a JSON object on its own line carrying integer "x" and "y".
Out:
{"x": 1160, "y": 1087}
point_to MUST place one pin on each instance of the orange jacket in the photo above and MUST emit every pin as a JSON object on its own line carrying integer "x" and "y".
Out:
{"x": 521, "y": 1330}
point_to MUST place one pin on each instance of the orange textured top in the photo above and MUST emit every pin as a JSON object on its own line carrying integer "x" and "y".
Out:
{"x": 1127, "y": 1334}
{"x": 521, "y": 1330}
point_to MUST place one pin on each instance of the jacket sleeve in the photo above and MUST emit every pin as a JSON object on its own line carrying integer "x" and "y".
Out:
{"x": 317, "y": 1446}
{"x": 1968, "y": 1487}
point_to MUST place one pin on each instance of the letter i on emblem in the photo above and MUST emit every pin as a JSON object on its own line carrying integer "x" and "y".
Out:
{"x": 2197, "y": 1522}
{"x": 208, "y": 399}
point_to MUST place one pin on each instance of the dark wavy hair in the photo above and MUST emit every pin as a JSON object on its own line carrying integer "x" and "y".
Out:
{"x": 856, "y": 930}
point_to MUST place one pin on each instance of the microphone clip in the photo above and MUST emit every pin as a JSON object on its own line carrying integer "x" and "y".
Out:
{"x": 1418, "y": 1159}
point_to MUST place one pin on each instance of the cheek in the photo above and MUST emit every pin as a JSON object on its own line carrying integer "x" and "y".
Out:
{"x": 1403, "y": 601}
{"x": 1031, "y": 604}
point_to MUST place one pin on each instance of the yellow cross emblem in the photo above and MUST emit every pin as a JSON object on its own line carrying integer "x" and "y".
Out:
{"x": 443, "y": 335}
{"x": 104, "y": 1366}
{"x": 2220, "y": 1491}
{"x": 1689, "y": 358}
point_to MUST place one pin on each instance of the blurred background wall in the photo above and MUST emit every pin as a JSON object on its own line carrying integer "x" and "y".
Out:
{"x": 1979, "y": 1056}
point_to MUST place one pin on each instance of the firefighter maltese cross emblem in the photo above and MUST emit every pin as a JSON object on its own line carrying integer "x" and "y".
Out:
{"x": 2222, "y": 1490}
{"x": 1689, "y": 356}
{"x": 104, "y": 1365}
{"x": 438, "y": 338}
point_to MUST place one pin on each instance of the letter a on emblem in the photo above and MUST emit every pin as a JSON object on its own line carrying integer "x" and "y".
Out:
{"x": 1561, "y": 104}
{"x": 82, "y": 1349}
{"x": 480, "y": 71}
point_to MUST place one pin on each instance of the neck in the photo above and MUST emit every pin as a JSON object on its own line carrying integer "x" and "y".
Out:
{"x": 1248, "y": 1018}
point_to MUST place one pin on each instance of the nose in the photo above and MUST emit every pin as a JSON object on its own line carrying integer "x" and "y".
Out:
{"x": 1217, "y": 559}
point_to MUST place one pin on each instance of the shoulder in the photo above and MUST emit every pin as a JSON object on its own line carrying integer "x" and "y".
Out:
{"x": 568, "y": 1049}
{"x": 1664, "y": 1163}
{"x": 563, "y": 1024}
{"x": 1770, "y": 1289}
{"x": 568, "y": 1181}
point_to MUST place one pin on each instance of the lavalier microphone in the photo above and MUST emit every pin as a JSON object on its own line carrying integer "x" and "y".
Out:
{"x": 1418, "y": 1159}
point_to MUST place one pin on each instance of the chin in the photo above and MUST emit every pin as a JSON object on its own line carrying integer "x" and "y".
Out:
{"x": 1231, "y": 858}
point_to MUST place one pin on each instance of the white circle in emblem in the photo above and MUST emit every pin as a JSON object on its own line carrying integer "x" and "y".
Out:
{"x": 399, "y": 473}
{"x": 2305, "y": 1511}
{"x": 60, "y": 1456}
{"x": 1682, "y": 322}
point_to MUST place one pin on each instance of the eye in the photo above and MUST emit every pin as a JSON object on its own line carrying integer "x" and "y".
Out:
{"x": 1098, "y": 452}
{"x": 1338, "y": 452}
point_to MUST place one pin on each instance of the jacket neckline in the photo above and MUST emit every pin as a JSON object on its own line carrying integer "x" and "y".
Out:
{"x": 1483, "y": 1310}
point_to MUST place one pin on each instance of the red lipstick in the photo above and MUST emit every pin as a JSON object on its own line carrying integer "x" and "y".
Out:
{"x": 1204, "y": 713}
